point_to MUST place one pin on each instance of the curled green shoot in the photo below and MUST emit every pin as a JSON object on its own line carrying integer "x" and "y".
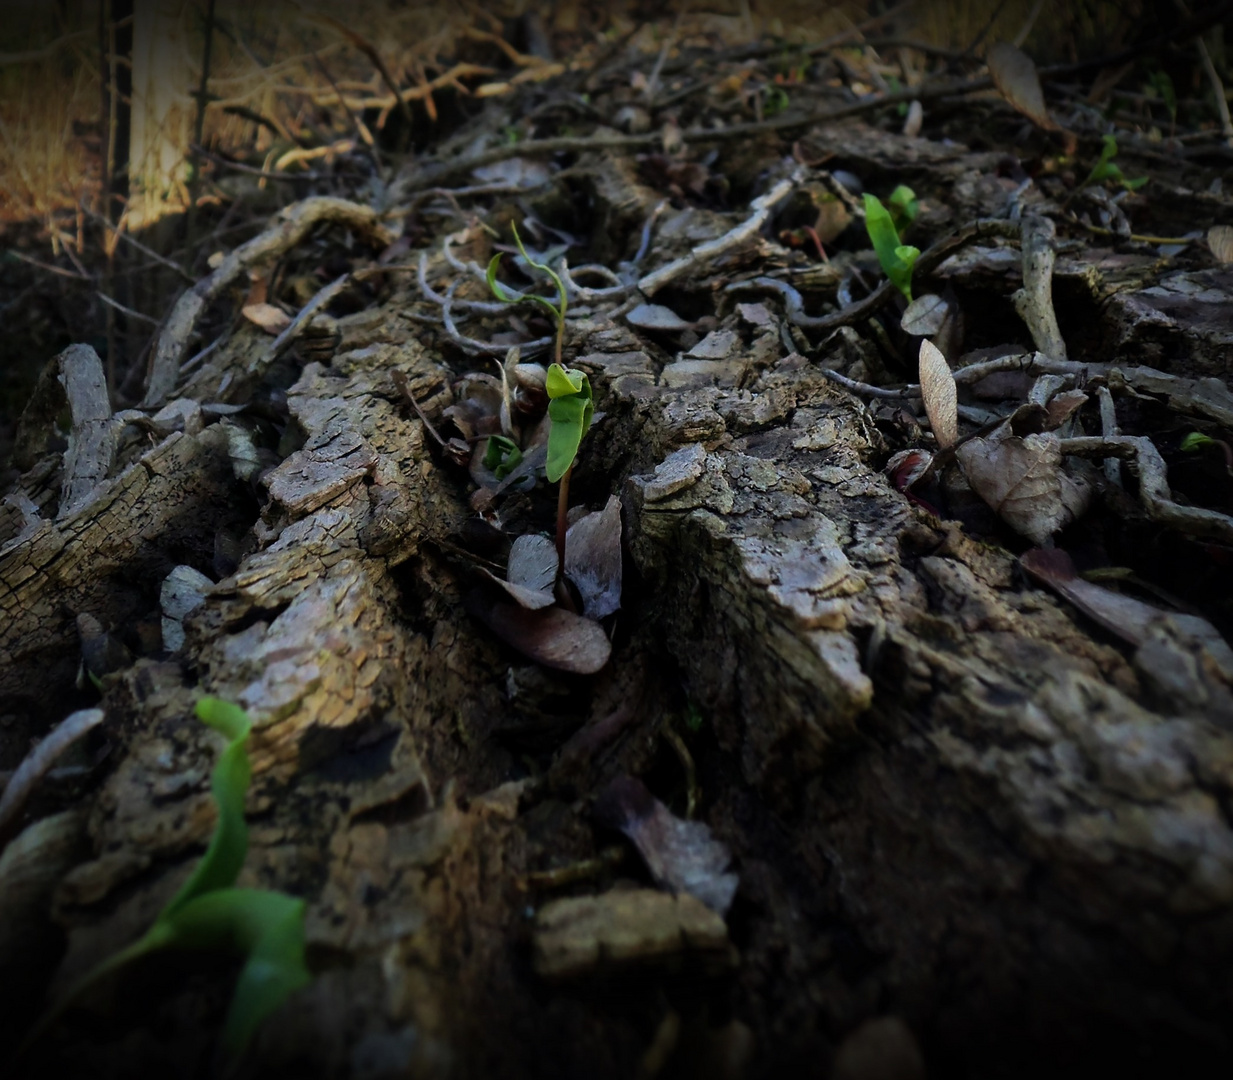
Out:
{"x": 209, "y": 913}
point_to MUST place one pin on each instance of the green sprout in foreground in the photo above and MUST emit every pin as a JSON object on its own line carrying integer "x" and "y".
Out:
{"x": 209, "y": 913}
{"x": 897, "y": 259}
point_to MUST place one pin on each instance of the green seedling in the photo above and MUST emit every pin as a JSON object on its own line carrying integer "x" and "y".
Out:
{"x": 904, "y": 207}
{"x": 1107, "y": 169}
{"x": 570, "y": 405}
{"x": 897, "y": 259}
{"x": 502, "y": 456}
{"x": 506, "y": 297}
{"x": 776, "y": 101}
{"x": 209, "y": 913}
{"x": 1196, "y": 441}
{"x": 570, "y": 408}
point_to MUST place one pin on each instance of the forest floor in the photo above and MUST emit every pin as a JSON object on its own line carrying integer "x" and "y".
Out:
{"x": 879, "y": 720}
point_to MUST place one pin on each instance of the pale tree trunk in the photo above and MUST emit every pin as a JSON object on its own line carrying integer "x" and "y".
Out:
{"x": 162, "y": 112}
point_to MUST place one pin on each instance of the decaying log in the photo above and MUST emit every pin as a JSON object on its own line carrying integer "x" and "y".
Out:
{"x": 984, "y": 813}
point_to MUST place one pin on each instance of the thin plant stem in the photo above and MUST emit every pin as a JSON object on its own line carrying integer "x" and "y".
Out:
{"x": 562, "y": 512}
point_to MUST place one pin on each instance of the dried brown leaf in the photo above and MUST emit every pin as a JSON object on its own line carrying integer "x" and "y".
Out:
{"x": 273, "y": 320}
{"x": 937, "y": 387}
{"x": 925, "y": 315}
{"x": 1014, "y": 75}
{"x": 681, "y": 855}
{"x": 1022, "y": 481}
{"x": 552, "y": 636}
{"x": 1220, "y": 240}
{"x": 593, "y": 559}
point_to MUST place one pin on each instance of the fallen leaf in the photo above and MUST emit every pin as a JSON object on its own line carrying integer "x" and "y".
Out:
{"x": 925, "y": 315}
{"x": 937, "y": 386}
{"x": 1061, "y": 406}
{"x": 681, "y": 855}
{"x": 530, "y": 572}
{"x": 1220, "y": 240}
{"x": 551, "y": 636}
{"x": 1022, "y": 481}
{"x": 656, "y": 317}
{"x": 1014, "y": 75}
{"x": 273, "y": 320}
{"x": 593, "y": 559}
{"x": 533, "y": 562}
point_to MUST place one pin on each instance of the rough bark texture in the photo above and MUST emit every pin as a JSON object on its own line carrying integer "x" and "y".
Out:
{"x": 947, "y": 796}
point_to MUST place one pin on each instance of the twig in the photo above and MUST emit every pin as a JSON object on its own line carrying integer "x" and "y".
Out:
{"x": 471, "y": 344}
{"x": 761, "y": 209}
{"x": 370, "y": 51}
{"x": 1153, "y": 486}
{"x": 252, "y": 170}
{"x": 125, "y": 310}
{"x": 1109, "y": 429}
{"x": 72, "y": 275}
{"x": 912, "y": 390}
{"x": 124, "y": 235}
{"x": 297, "y": 325}
{"x": 583, "y": 144}
{"x": 1034, "y": 302}
{"x": 40, "y": 760}
{"x": 404, "y": 388}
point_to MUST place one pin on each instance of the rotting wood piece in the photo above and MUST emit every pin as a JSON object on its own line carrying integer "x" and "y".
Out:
{"x": 76, "y": 376}
{"x": 290, "y": 227}
{"x": 94, "y": 560}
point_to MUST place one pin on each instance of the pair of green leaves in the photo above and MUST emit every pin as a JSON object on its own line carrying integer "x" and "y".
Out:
{"x": 209, "y": 913}
{"x": 570, "y": 408}
{"x": 897, "y": 259}
{"x": 1107, "y": 169}
{"x": 502, "y": 456}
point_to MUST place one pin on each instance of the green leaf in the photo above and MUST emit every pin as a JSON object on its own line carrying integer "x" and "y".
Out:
{"x": 499, "y": 290}
{"x": 776, "y": 101}
{"x": 224, "y": 857}
{"x": 904, "y": 206}
{"x": 502, "y": 456}
{"x": 895, "y": 258}
{"x": 1196, "y": 440}
{"x": 208, "y": 913}
{"x": 267, "y": 927}
{"x": 1107, "y": 169}
{"x": 901, "y": 271}
{"x": 562, "y": 382}
{"x": 570, "y": 409}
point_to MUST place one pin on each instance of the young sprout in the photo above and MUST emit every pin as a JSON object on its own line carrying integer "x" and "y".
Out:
{"x": 897, "y": 259}
{"x": 570, "y": 405}
{"x": 1106, "y": 169}
{"x": 507, "y": 297}
{"x": 210, "y": 913}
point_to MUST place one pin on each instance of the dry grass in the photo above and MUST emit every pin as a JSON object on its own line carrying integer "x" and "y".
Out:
{"x": 286, "y": 62}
